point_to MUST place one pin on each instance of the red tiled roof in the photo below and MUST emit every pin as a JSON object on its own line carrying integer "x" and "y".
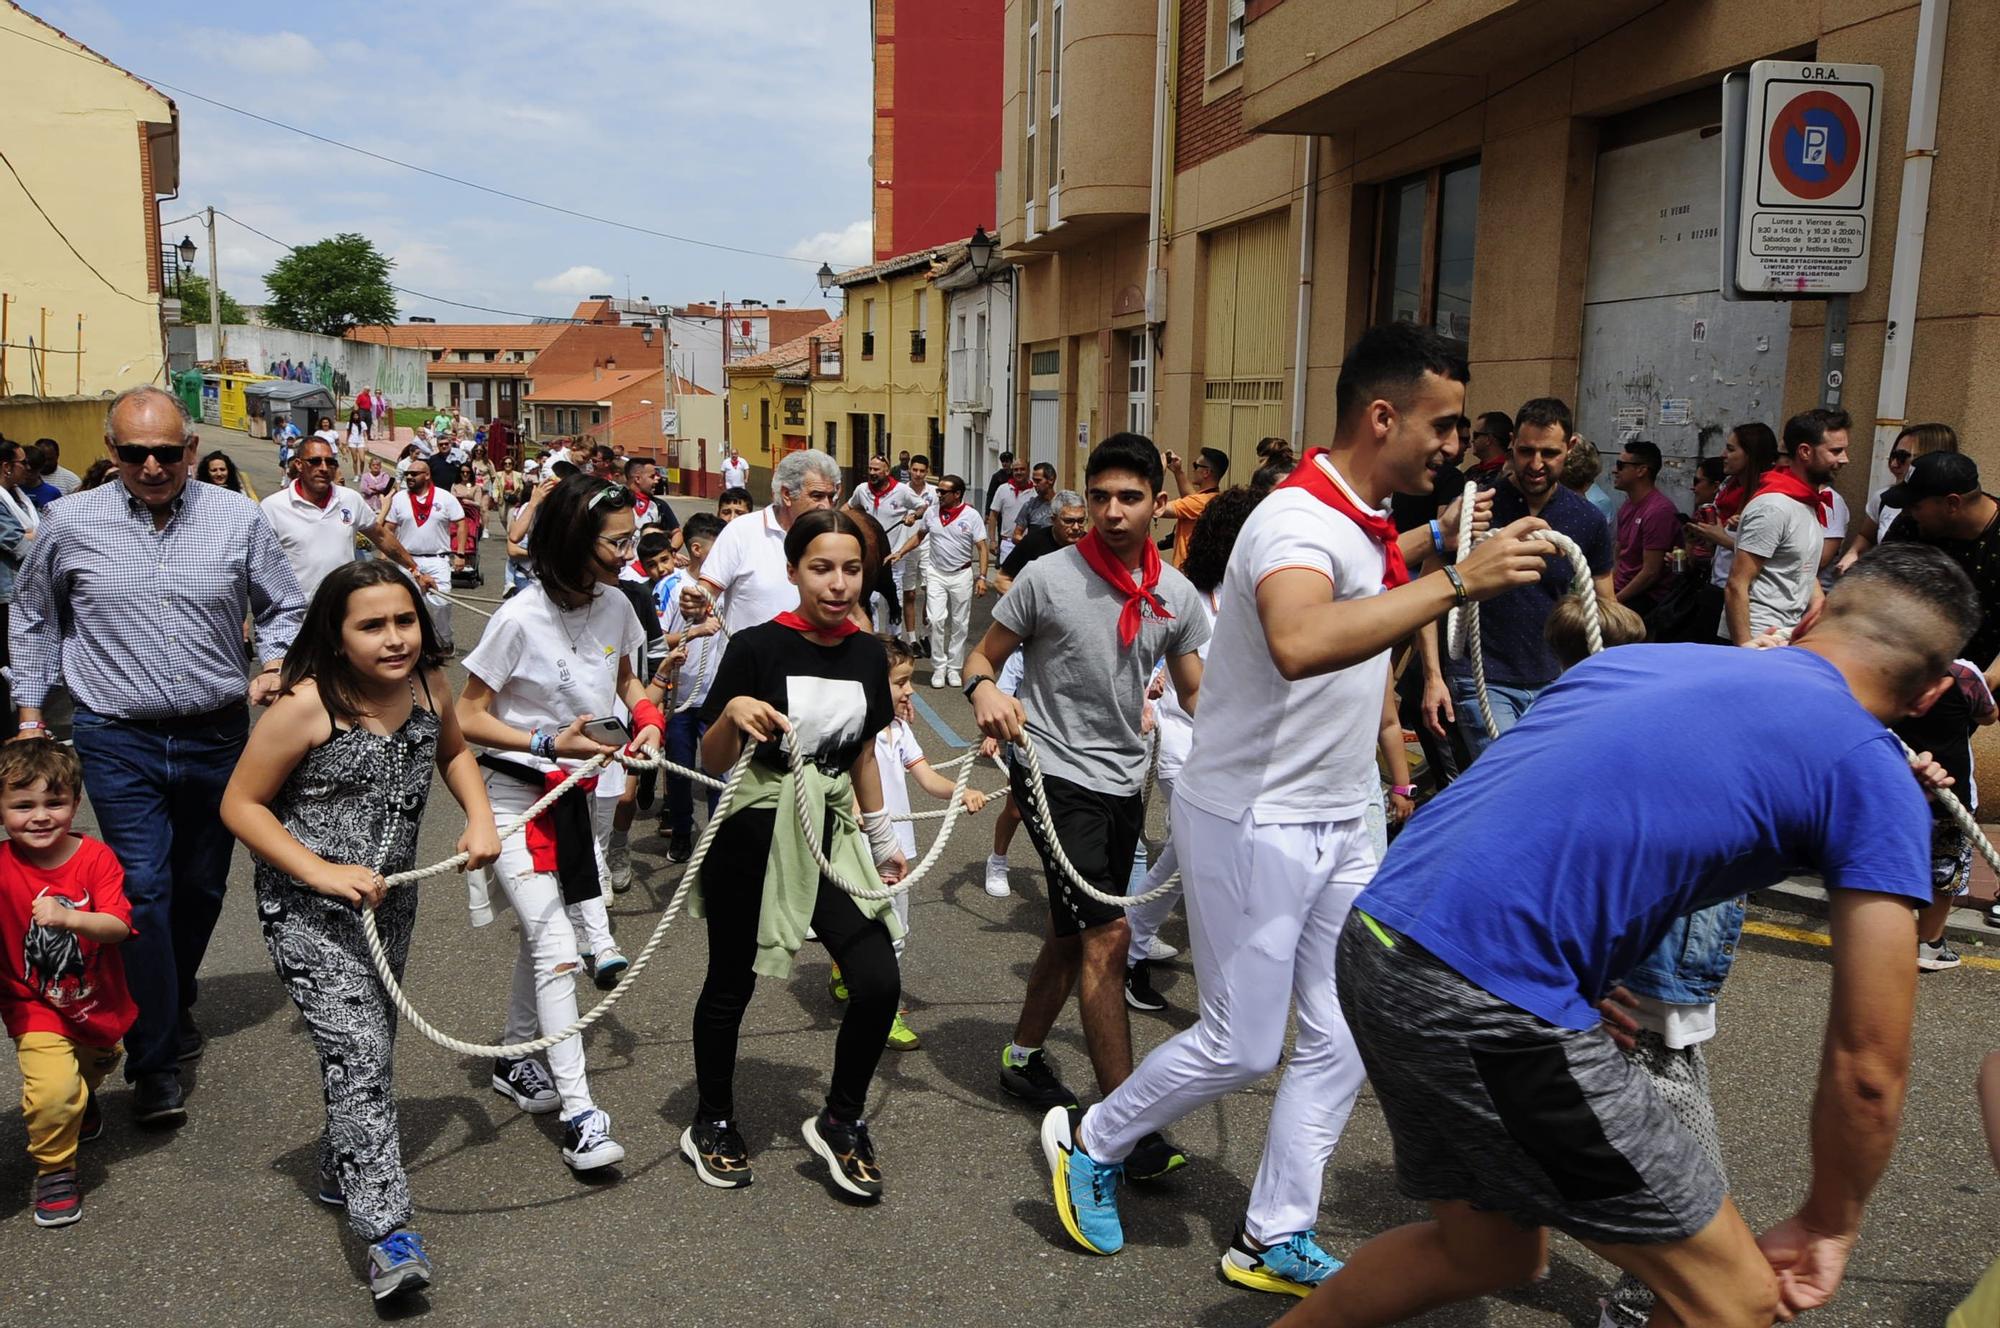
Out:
{"x": 792, "y": 352}
{"x": 590, "y": 311}
{"x": 940, "y": 256}
{"x": 604, "y": 386}
{"x": 463, "y": 336}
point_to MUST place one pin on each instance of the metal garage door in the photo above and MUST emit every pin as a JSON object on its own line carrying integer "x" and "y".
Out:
{"x": 1664, "y": 357}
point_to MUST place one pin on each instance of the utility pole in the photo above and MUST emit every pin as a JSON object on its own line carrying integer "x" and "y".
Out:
{"x": 214, "y": 287}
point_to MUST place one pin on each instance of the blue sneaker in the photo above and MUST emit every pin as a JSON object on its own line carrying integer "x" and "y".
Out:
{"x": 1086, "y": 1189}
{"x": 396, "y": 1265}
{"x": 1292, "y": 1267}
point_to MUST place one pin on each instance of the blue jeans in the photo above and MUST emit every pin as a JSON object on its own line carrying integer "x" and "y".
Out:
{"x": 1509, "y": 704}
{"x": 684, "y": 732}
{"x": 158, "y": 797}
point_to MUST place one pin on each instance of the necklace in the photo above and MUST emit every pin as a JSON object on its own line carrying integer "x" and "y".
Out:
{"x": 562, "y": 621}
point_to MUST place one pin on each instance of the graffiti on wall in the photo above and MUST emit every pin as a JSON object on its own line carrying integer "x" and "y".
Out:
{"x": 342, "y": 366}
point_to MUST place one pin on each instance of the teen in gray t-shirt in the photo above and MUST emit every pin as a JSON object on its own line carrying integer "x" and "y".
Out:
{"x": 1082, "y": 691}
{"x": 1788, "y": 536}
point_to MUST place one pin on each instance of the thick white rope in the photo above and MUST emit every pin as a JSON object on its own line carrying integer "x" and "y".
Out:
{"x": 803, "y": 808}
{"x": 512, "y": 1050}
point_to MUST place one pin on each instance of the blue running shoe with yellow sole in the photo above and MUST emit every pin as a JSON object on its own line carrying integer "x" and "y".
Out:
{"x": 1292, "y": 1267}
{"x": 1086, "y": 1189}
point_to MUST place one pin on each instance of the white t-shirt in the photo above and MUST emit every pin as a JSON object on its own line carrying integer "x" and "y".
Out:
{"x": 546, "y": 666}
{"x": 896, "y": 752}
{"x": 887, "y": 509}
{"x": 1786, "y": 534}
{"x": 327, "y": 436}
{"x": 317, "y": 539}
{"x": 1836, "y": 516}
{"x": 1007, "y": 507}
{"x": 1885, "y": 517}
{"x": 746, "y": 569}
{"x": 433, "y": 538}
{"x": 950, "y": 546}
{"x": 736, "y": 473}
{"x": 697, "y": 671}
{"x": 1287, "y": 752}
{"x": 1176, "y": 725}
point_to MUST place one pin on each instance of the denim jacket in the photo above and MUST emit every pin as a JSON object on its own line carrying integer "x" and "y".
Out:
{"x": 1689, "y": 964}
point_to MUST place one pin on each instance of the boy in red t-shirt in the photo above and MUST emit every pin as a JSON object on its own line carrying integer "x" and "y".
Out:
{"x": 62, "y": 984}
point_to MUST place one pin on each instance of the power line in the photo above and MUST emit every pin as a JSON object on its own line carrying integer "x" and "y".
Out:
{"x": 425, "y": 170}
{"x": 64, "y": 238}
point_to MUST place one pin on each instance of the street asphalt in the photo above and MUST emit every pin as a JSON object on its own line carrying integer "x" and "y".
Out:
{"x": 215, "y": 1223}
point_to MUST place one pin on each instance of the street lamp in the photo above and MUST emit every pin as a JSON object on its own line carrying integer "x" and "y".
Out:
{"x": 826, "y": 276}
{"x": 980, "y": 250}
{"x": 185, "y": 252}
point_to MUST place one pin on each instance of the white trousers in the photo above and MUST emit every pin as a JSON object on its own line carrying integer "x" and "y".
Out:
{"x": 1265, "y": 906}
{"x": 543, "y": 997}
{"x": 1145, "y": 920}
{"x": 948, "y": 597}
{"x": 438, "y": 568}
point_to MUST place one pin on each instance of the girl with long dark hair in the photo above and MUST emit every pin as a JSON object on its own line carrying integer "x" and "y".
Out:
{"x": 328, "y": 796}
{"x": 1747, "y": 455}
{"x": 556, "y": 656}
{"x": 811, "y": 675}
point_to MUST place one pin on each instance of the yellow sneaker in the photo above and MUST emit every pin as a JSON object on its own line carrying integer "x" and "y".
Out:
{"x": 836, "y": 986}
{"x": 901, "y": 1036}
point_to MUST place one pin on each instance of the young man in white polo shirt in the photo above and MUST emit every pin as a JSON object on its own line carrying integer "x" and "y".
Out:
{"x": 316, "y": 520}
{"x": 746, "y": 571}
{"x": 956, "y": 538}
{"x": 1268, "y": 810}
{"x": 420, "y": 516}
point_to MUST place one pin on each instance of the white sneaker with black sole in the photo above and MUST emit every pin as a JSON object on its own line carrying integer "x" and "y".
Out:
{"x": 587, "y": 1141}
{"x": 1159, "y": 951}
{"x": 1936, "y": 956}
{"x": 526, "y": 1084}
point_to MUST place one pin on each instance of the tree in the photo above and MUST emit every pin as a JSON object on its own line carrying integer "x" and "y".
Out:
{"x": 330, "y": 287}
{"x": 193, "y": 291}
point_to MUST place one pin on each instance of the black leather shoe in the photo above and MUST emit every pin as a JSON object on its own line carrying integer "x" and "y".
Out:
{"x": 157, "y": 1099}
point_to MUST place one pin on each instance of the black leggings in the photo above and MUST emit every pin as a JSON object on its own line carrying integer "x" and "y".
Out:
{"x": 732, "y": 886}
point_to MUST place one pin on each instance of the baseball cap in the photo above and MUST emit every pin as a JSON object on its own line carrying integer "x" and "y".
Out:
{"x": 1934, "y": 475}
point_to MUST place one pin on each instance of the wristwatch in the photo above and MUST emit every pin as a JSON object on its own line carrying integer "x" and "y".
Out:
{"x": 972, "y": 685}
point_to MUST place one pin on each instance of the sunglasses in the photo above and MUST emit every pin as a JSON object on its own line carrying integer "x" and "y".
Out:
{"x": 172, "y": 454}
{"x": 610, "y": 495}
{"x": 1623, "y": 464}
{"x": 318, "y": 461}
{"x": 1900, "y": 455}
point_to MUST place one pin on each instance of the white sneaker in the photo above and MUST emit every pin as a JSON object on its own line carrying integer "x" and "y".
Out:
{"x": 618, "y": 860}
{"x": 587, "y": 1141}
{"x": 937, "y": 677}
{"x": 952, "y": 679}
{"x": 996, "y": 877}
{"x": 1157, "y": 950}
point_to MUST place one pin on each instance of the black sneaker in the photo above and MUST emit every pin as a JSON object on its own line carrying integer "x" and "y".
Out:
{"x": 1035, "y": 1083}
{"x": 848, "y": 1153}
{"x": 717, "y": 1153}
{"x": 157, "y": 1099}
{"x": 1153, "y": 1157}
{"x": 647, "y": 780}
{"x": 191, "y": 1040}
{"x": 680, "y": 846}
{"x": 1139, "y": 993}
{"x": 93, "y": 1120}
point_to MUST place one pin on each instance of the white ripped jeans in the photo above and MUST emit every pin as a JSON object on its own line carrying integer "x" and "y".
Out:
{"x": 543, "y": 998}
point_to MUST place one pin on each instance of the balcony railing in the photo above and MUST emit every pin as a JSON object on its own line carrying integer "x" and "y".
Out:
{"x": 970, "y": 386}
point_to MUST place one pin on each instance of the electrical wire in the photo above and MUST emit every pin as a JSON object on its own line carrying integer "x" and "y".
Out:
{"x": 422, "y": 170}
{"x": 59, "y": 231}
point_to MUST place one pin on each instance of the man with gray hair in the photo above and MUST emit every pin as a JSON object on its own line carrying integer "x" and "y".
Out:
{"x": 134, "y": 596}
{"x": 745, "y": 571}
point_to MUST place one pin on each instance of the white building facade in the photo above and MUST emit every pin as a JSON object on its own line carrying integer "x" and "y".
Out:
{"x": 979, "y": 382}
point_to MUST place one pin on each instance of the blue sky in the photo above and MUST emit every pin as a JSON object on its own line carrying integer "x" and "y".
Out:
{"x": 744, "y": 122}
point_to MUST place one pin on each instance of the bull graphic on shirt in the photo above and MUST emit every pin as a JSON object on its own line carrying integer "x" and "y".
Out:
{"x": 52, "y": 961}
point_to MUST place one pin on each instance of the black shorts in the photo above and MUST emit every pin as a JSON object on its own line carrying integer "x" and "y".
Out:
{"x": 1488, "y": 1104}
{"x": 1099, "y": 834}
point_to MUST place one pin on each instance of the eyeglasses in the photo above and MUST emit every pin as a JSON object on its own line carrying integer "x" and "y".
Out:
{"x": 622, "y": 547}
{"x": 171, "y": 454}
{"x": 1900, "y": 455}
{"x": 1073, "y": 520}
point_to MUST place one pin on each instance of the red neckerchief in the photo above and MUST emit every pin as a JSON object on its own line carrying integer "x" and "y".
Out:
{"x": 300, "y": 490}
{"x": 640, "y": 568}
{"x": 1019, "y": 488}
{"x": 880, "y": 491}
{"x": 947, "y": 515}
{"x": 1317, "y": 477}
{"x": 1729, "y": 501}
{"x": 420, "y": 508}
{"x": 1485, "y": 468}
{"x": 790, "y": 618}
{"x": 641, "y": 504}
{"x": 1791, "y": 486}
{"x": 1097, "y": 556}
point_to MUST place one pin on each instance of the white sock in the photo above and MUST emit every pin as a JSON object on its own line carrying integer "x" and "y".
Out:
{"x": 1017, "y": 1055}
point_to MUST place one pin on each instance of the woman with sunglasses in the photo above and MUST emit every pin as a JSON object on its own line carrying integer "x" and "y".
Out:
{"x": 554, "y": 657}
{"x": 1915, "y": 441}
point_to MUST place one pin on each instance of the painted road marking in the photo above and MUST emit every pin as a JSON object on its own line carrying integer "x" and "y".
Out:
{"x": 1778, "y": 931}
{"x": 936, "y": 721}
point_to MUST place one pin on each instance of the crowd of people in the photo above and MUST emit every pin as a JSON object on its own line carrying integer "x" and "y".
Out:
{"x": 1541, "y": 1070}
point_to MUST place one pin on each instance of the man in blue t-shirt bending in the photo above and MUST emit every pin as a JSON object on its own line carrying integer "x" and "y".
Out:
{"x": 1510, "y": 1107}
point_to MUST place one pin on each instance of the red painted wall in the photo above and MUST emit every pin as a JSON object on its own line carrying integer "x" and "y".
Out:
{"x": 938, "y": 135}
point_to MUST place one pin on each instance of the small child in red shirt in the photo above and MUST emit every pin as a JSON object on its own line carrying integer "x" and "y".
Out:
{"x": 62, "y": 983}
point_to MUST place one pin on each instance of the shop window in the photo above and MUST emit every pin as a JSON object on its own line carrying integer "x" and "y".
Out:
{"x": 1425, "y": 229}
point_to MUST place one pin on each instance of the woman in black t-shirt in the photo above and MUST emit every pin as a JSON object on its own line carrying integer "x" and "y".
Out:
{"x": 813, "y": 674}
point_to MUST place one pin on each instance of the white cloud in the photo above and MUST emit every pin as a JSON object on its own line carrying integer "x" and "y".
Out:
{"x": 582, "y": 279}
{"x": 850, "y": 246}
{"x": 281, "y": 56}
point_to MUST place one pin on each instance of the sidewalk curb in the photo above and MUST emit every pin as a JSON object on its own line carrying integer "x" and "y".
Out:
{"x": 1805, "y": 896}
